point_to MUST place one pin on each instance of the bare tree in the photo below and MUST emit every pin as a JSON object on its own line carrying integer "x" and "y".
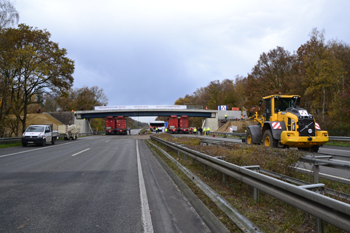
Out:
{"x": 8, "y": 14}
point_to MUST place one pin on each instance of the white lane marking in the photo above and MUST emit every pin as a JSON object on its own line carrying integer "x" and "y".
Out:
{"x": 146, "y": 216}
{"x": 335, "y": 149}
{"x": 21, "y": 152}
{"x": 324, "y": 174}
{"x": 108, "y": 141}
{"x": 81, "y": 152}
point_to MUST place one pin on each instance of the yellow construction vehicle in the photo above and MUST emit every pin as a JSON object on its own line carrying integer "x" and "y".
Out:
{"x": 284, "y": 123}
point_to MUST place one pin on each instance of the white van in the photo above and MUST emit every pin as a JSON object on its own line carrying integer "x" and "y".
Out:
{"x": 38, "y": 134}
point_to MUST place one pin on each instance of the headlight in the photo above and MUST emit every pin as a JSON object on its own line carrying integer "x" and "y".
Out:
{"x": 40, "y": 136}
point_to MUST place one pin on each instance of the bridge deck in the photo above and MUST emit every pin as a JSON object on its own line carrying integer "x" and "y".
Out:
{"x": 147, "y": 112}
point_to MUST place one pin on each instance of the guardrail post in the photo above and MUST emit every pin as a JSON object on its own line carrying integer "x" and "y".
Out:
{"x": 319, "y": 222}
{"x": 318, "y": 188}
{"x": 224, "y": 178}
{"x": 256, "y": 194}
{"x": 255, "y": 168}
{"x": 316, "y": 170}
{"x": 319, "y": 225}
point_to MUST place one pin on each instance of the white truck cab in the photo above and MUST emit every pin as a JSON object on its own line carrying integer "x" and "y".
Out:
{"x": 38, "y": 134}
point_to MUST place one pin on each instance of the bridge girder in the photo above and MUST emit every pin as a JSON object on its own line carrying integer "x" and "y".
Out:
{"x": 140, "y": 113}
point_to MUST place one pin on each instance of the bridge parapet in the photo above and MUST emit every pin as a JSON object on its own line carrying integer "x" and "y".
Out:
{"x": 147, "y": 112}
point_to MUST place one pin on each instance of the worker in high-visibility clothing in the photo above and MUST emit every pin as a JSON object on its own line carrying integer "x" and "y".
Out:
{"x": 205, "y": 131}
{"x": 157, "y": 130}
{"x": 166, "y": 130}
{"x": 225, "y": 116}
{"x": 195, "y": 130}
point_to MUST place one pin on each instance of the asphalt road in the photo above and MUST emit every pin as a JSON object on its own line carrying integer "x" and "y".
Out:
{"x": 93, "y": 184}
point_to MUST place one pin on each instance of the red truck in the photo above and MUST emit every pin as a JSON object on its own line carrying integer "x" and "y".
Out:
{"x": 173, "y": 124}
{"x": 183, "y": 125}
{"x": 121, "y": 125}
{"x": 110, "y": 125}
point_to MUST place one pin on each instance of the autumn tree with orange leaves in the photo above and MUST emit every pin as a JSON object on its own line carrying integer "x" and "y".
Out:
{"x": 318, "y": 71}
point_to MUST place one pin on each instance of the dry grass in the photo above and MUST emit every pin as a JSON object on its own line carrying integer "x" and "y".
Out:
{"x": 270, "y": 214}
{"x": 243, "y": 155}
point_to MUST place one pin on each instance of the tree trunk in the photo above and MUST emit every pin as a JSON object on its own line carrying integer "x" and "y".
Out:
{"x": 324, "y": 102}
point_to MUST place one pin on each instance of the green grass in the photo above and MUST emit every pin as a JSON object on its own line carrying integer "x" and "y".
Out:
{"x": 338, "y": 143}
{"x": 10, "y": 145}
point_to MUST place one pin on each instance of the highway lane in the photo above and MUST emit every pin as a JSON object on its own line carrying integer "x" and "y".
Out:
{"x": 92, "y": 184}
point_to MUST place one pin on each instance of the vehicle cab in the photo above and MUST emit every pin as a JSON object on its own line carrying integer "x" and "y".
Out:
{"x": 37, "y": 134}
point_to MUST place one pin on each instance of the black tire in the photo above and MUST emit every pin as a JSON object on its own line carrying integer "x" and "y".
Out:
{"x": 314, "y": 149}
{"x": 53, "y": 140}
{"x": 268, "y": 139}
{"x": 249, "y": 138}
{"x": 43, "y": 143}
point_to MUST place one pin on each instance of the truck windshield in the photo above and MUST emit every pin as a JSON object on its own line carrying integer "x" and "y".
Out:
{"x": 281, "y": 104}
{"x": 35, "y": 129}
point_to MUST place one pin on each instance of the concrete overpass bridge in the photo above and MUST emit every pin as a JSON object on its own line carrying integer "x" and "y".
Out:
{"x": 146, "y": 112}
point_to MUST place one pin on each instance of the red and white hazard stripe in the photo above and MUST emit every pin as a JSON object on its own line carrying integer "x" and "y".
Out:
{"x": 276, "y": 125}
{"x": 317, "y": 126}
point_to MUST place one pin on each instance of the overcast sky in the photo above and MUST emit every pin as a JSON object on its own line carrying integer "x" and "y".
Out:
{"x": 153, "y": 52}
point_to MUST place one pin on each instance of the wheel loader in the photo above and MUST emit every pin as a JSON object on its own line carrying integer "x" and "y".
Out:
{"x": 284, "y": 123}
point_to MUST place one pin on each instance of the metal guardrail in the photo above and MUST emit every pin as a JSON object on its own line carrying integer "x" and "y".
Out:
{"x": 331, "y": 138}
{"x": 10, "y": 140}
{"x": 240, "y": 220}
{"x": 18, "y": 139}
{"x": 228, "y": 134}
{"x": 338, "y": 138}
{"x": 329, "y": 163}
{"x": 322, "y": 207}
{"x": 301, "y": 182}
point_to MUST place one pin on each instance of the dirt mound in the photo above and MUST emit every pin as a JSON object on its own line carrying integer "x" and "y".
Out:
{"x": 241, "y": 126}
{"x": 34, "y": 119}
{"x": 42, "y": 119}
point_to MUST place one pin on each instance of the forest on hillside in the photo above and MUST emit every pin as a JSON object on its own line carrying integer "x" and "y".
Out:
{"x": 319, "y": 71}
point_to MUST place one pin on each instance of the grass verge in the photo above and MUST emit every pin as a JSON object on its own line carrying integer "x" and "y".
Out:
{"x": 10, "y": 145}
{"x": 197, "y": 191}
{"x": 270, "y": 214}
{"x": 338, "y": 143}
